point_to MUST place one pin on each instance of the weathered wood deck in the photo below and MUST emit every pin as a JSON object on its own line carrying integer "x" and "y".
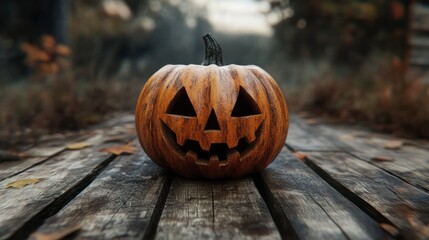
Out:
{"x": 332, "y": 189}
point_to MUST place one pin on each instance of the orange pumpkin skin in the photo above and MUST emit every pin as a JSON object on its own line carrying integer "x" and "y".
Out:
{"x": 212, "y": 121}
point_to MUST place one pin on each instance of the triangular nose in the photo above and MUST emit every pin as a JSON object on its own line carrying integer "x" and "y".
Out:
{"x": 212, "y": 123}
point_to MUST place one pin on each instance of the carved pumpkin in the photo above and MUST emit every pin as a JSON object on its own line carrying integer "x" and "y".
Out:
{"x": 212, "y": 120}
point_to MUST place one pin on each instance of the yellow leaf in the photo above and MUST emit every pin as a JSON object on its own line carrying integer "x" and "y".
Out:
{"x": 57, "y": 235}
{"x": 23, "y": 182}
{"x": 79, "y": 145}
{"x": 121, "y": 149}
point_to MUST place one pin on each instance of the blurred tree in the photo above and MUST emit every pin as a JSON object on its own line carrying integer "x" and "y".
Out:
{"x": 53, "y": 18}
{"x": 345, "y": 32}
{"x": 28, "y": 20}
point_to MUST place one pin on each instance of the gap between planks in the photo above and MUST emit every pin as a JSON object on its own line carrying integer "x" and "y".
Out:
{"x": 29, "y": 226}
{"x": 47, "y": 150}
{"x": 304, "y": 206}
{"x": 88, "y": 164}
{"x": 123, "y": 202}
{"x": 383, "y": 196}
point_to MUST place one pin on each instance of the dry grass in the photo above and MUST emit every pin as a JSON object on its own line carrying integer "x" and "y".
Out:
{"x": 383, "y": 100}
{"x": 60, "y": 104}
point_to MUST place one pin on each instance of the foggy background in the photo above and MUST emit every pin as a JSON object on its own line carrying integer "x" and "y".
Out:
{"x": 66, "y": 64}
{"x": 293, "y": 40}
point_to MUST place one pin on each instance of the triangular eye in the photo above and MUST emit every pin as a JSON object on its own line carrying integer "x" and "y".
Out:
{"x": 181, "y": 105}
{"x": 245, "y": 105}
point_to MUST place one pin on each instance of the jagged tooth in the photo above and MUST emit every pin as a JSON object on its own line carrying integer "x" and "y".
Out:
{"x": 232, "y": 154}
{"x": 192, "y": 155}
{"x": 205, "y": 145}
{"x": 192, "y": 158}
{"x": 181, "y": 140}
{"x": 250, "y": 137}
{"x": 232, "y": 143}
{"x": 214, "y": 161}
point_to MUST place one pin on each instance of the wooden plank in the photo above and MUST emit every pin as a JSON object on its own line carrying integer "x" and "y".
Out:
{"x": 378, "y": 192}
{"x": 118, "y": 204}
{"x": 420, "y": 40}
{"x": 301, "y": 137}
{"x": 419, "y": 52}
{"x": 228, "y": 209}
{"x": 11, "y": 168}
{"x": 63, "y": 176}
{"x": 409, "y": 162}
{"x": 299, "y": 197}
{"x": 420, "y": 18}
{"x": 114, "y": 121}
{"x": 50, "y": 145}
{"x": 54, "y": 144}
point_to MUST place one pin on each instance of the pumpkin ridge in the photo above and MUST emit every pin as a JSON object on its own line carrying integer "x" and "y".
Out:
{"x": 272, "y": 95}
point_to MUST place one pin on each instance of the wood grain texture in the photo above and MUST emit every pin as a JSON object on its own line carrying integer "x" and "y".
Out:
{"x": 41, "y": 154}
{"x": 118, "y": 204}
{"x": 410, "y": 162}
{"x": 164, "y": 127}
{"x": 49, "y": 146}
{"x": 303, "y": 137}
{"x": 119, "y": 119}
{"x": 313, "y": 208}
{"x": 62, "y": 176}
{"x": 215, "y": 210}
{"x": 397, "y": 201}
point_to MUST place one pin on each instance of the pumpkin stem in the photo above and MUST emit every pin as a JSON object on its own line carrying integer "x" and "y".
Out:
{"x": 213, "y": 51}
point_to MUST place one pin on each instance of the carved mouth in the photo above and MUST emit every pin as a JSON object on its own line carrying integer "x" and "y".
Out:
{"x": 221, "y": 150}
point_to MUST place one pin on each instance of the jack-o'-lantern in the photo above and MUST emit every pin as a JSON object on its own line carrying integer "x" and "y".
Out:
{"x": 212, "y": 120}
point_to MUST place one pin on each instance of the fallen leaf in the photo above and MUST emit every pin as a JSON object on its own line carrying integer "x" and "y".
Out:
{"x": 121, "y": 149}
{"x": 394, "y": 144}
{"x": 57, "y": 235}
{"x": 300, "y": 155}
{"x": 79, "y": 145}
{"x": 389, "y": 228}
{"x": 23, "y": 182}
{"x": 382, "y": 158}
{"x": 418, "y": 227}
